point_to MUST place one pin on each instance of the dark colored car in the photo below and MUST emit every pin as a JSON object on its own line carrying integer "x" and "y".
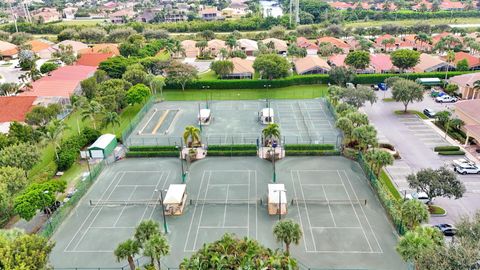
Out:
{"x": 446, "y": 229}
{"x": 429, "y": 112}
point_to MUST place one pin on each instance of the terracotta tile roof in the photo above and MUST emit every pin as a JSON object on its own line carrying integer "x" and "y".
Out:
{"x": 446, "y": 4}
{"x": 425, "y": 3}
{"x": 242, "y": 66}
{"x": 307, "y": 44}
{"x": 334, "y": 41}
{"x": 7, "y": 48}
{"x": 189, "y": 47}
{"x": 337, "y": 60}
{"x": 93, "y": 59}
{"x": 469, "y": 107}
{"x": 209, "y": 10}
{"x": 76, "y": 45}
{"x": 248, "y": 44}
{"x": 308, "y": 63}
{"x": 428, "y": 62}
{"x": 381, "y": 62}
{"x": 15, "y": 108}
{"x": 61, "y": 83}
{"x": 465, "y": 79}
{"x": 216, "y": 44}
{"x": 101, "y": 48}
{"x": 363, "y": 5}
{"x": 473, "y": 61}
{"x": 280, "y": 45}
{"x": 340, "y": 5}
{"x": 40, "y": 44}
{"x": 437, "y": 38}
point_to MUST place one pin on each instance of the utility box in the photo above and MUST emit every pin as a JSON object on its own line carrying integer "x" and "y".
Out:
{"x": 103, "y": 146}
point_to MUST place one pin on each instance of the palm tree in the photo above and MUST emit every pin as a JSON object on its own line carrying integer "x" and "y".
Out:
{"x": 414, "y": 213}
{"x": 192, "y": 133}
{"x": 423, "y": 38}
{"x": 78, "y": 103}
{"x": 156, "y": 247}
{"x": 379, "y": 159}
{"x": 223, "y": 53}
{"x": 53, "y": 132}
{"x": 414, "y": 243}
{"x": 127, "y": 250}
{"x": 91, "y": 110}
{"x": 111, "y": 118}
{"x": 388, "y": 41}
{"x": 8, "y": 89}
{"x": 231, "y": 42}
{"x": 157, "y": 83}
{"x": 272, "y": 131}
{"x": 201, "y": 45}
{"x": 34, "y": 73}
{"x": 145, "y": 230}
{"x": 449, "y": 58}
{"x": 287, "y": 231}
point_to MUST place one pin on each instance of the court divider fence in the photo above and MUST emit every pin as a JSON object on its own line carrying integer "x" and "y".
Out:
{"x": 56, "y": 219}
{"x": 134, "y": 122}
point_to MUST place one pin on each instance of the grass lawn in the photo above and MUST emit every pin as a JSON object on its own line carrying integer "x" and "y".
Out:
{"x": 91, "y": 22}
{"x": 420, "y": 114}
{"x": 291, "y": 92}
{"x": 385, "y": 179}
{"x": 388, "y": 100}
{"x": 436, "y": 210}
{"x": 468, "y": 20}
{"x": 209, "y": 75}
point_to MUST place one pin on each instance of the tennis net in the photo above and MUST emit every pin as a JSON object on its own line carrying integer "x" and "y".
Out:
{"x": 329, "y": 202}
{"x": 123, "y": 203}
{"x": 226, "y": 202}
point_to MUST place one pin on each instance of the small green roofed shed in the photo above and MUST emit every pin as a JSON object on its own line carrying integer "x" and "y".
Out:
{"x": 103, "y": 146}
{"x": 429, "y": 81}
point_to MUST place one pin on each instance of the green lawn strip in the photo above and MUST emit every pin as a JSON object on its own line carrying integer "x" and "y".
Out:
{"x": 209, "y": 75}
{"x": 436, "y": 210}
{"x": 91, "y": 22}
{"x": 388, "y": 100}
{"x": 291, "y": 92}
{"x": 420, "y": 114}
{"x": 385, "y": 179}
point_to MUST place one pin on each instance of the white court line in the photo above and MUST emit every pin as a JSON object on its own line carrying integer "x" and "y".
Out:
{"x": 194, "y": 211}
{"x": 225, "y": 209}
{"x": 106, "y": 227}
{"x": 321, "y": 185}
{"x": 91, "y": 211}
{"x": 123, "y": 209}
{"x": 355, "y": 211}
{"x": 317, "y": 227}
{"x": 222, "y": 185}
{"x": 256, "y": 208}
{"x": 248, "y": 206}
{"x": 345, "y": 252}
{"x": 306, "y": 210}
{"x": 151, "y": 197}
{"x": 223, "y": 227}
{"x": 329, "y": 208}
{"x": 136, "y": 185}
{"x": 201, "y": 212}
{"x": 146, "y": 124}
{"x": 163, "y": 187}
{"x": 298, "y": 208}
{"x": 361, "y": 207}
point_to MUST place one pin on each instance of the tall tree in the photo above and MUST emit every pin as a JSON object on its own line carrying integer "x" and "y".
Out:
{"x": 358, "y": 96}
{"x": 272, "y": 66}
{"x": 157, "y": 84}
{"x": 358, "y": 59}
{"x": 192, "y": 133}
{"x": 379, "y": 159}
{"x": 288, "y": 232}
{"x": 414, "y": 243}
{"x": 91, "y": 111}
{"x": 127, "y": 250}
{"x": 406, "y": 91}
{"x": 146, "y": 230}
{"x": 21, "y": 155}
{"x": 111, "y": 118}
{"x": 53, "y": 133}
{"x": 137, "y": 94}
{"x": 65, "y": 54}
{"x": 156, "y": 247}
{"x": 414, "y": 213}
{"x": 365, "y": 136}
{"x": 222, "y": 67}
{"x": 341, "y": 75}
{"x": 405, "y": 58}
{"x": 449, "y": 58}
{"x": 181, "y": 73}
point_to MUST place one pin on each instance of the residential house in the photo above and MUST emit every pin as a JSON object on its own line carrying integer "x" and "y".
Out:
{"x": 248, "y": 46}
{"x": 235, "y": 10}
{"x": 312, "y": 48}
{"x": 381, "y": 6}
{"x": 381, "y": 63}
{"x": 14, "y": 109}
{"x": 60, "y": 84}
{"x": 42, "y": 48}
{"x": 451, "y": 5}
{"x": 175, "y": 16}
{"x": 110, "y": 48}
{"x": 311, "y": 65}
{"x": 210, "y": 14}
{"x": 280, "y": 46}
{"x": 465, "y": 84}
{"x": 242, "y": 69}
{"x": 8, "y": 50}
{"x": 271, "y": 9}
{"x": 92, "y": 59}
{"x": 417, "y": 44}
{"x": 335, "y": 42}
{"x": 469, "y": 112}
{"x": 76, "y": 45}
{"x": 337, "y": 60}
{"x": 191, "y": 51}
{"x": 422, "y": 5}
{"x": 341, "y": 5}
{"x": 430, "y": 63}
{"x": 147, "y": 15}
{"x": 122, "y": 16}
{"x": 215, "y": 45}
{"x": 361, "y": 5}
{"x": 395, "y": 45}
{"x": 69, "y": 13}
{"x": 473, "y": 61}
{"x": 46, "y": 15}
{"x": 438, "y": 38}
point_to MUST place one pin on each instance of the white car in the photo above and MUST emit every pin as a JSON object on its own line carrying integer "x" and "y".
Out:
{"x": 445, "y": 99}
{"x": 467, "y": 168}
{"x": 463, "y": 161}
{"x": 421, "y": 196}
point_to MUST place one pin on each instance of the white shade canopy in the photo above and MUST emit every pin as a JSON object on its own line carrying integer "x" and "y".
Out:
{"x": 175, "y": 194}
{"x": 267, "y": 112}
{"x": 273, "y": 190}
{"x": 204, "y": 113}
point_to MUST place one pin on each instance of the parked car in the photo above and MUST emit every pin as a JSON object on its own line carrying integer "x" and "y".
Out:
{"x": 467, "y": 168}
{"x": 445, "y": 99}
{"x": 463, "y": 161}
{"x": 421, "y": 196}
{"x": 429, "y": 112}
{"x": 435, "y": 93}
{"x": 446, "y": 229}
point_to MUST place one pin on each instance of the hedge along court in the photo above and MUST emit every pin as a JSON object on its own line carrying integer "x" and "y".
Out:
{"x": 237, "y": 122}
{"x": 325, "y": 195}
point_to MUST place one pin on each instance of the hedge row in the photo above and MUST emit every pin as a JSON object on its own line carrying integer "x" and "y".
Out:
{"x": 452, "y": 153}
{"x": 309, "y": 147}
{"x": 236, "y": 147}
{"x": 226, "y": 153}
{"x": 151, "y": 148}
{"x": 305, "y": 80}
{"x": 153, "y": 154}
{"x": 312, "y": 153}
{"x": 69, "y": 148}
{"x": 446, "y": 148}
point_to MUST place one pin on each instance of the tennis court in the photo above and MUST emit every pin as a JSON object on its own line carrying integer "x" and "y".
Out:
{"x": 343, "y": 224}
{"x": 236, "y": 122}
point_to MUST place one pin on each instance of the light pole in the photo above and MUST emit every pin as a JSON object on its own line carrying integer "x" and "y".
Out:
{"x": 274, "y": 146}
{"x": 199, "y": 118}
{"x": 181, "y": 162}
{"x": 268, "y": 100}
{"x": 165, "y": 226}
{"x": 279, "y": 191}
{"x": 45, "y": 208}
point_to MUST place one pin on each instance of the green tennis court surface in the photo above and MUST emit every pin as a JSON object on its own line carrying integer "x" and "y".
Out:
{"x": 326, "y": 197}
{"x": 236, "y": 122}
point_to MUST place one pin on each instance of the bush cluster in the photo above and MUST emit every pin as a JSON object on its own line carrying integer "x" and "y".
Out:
{"x": 446, "y": 148}
{"x": 152, "y": 153}
{"x": 452, "y": 153}
{"x": 68, "y": 151}
{"x": 309, "y": 147}
{"x": 312, "y": 152}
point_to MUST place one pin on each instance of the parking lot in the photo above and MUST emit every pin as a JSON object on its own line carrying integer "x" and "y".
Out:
{"x": 415, "y": 139}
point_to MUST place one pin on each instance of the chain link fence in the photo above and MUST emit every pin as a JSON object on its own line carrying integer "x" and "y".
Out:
{"x": 134, "y": 122}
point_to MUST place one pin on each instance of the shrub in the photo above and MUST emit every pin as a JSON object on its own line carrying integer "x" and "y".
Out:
{"x": 232, "y": 147}
{"x": 48, "y": 67}
{"x": 312, "y": 153}
{"x": 152, "y": 154}
{"x": 66, "y": 159}
{"x": 446, "y": 148}
{"x": 151, "y": 148}
{"x": 452, "y": 153}
{"x": 90, "y": 134}
{"x": 226, "y": 153}
{"x": 309, "y": 147}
